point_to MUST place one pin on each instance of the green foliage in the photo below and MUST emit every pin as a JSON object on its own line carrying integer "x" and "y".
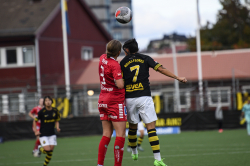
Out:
{"x": 231, "y": 31}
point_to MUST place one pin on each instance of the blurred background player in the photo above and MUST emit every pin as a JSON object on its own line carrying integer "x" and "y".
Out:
{"x": 219, "y": 116}
{"x": 135, "y": 68}
{"x": 49, "y": 118}
{"x": 140, "y": 128}
{"x": 111, "y": 103}
{"x": 246, "y": 113}
{"x": 33, "y": 114}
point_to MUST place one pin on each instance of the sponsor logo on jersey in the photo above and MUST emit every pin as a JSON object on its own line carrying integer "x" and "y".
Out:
{"x": 119, "y": 74}
{"x": 133, "y": 60}
{"x": 101, "y": 115}
{"x": 45, "y": 115}
{"x": 106, "y": 89}
{"x": 54, "y": 114}
{"x": 104, "y": 61}
{"x": 49, "y": 121}
{"x": 103, "y": 105}
{"x": 112, "y": 117}
{"x": 134, "y": 87}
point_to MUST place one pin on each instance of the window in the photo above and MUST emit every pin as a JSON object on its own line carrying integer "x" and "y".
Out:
{"x": 93, "y": 104}
{"x": 28, "y": 56}
{"x": 219, "y": 95}
{"x": 11, "y": 56}
{"x": 168, "y": 96}
{"x": 87, "y": 53}
{"x": 246, "y": 89}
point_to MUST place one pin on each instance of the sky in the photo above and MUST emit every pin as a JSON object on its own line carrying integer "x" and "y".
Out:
{"x": 154, "y": 18}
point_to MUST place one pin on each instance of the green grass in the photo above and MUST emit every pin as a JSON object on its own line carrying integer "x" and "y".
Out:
{"x": 203, "y": 148}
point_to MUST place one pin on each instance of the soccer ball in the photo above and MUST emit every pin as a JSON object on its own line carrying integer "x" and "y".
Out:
{"x": 123, "y": 15}
{"x": 36, "y": 153}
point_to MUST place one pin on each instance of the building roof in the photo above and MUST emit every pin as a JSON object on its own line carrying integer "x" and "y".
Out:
{"x": 215, "y": 66}
{"x": 175, "y": 37}
{"x": 25, "y": 17}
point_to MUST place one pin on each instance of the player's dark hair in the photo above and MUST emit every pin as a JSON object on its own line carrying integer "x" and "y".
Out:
{"x": 113, "y": 48}
{"x": 46, "y": 98}
{"x": 131, "y": 45}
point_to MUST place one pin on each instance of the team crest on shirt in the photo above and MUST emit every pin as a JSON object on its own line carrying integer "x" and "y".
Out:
{"x": 44, "y": 142}
{"x": 54, "y": 114}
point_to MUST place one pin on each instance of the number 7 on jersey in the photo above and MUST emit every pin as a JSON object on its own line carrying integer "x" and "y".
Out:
{"x": 136, "y": 67}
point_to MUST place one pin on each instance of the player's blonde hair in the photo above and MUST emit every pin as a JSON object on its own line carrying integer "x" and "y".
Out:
{"x": 113, "y": 48}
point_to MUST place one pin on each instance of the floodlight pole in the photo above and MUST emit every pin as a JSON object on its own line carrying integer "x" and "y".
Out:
{"x": 176, "y": 82}
{"x": 198, "y": 46}
{"x": 65, "y": 50}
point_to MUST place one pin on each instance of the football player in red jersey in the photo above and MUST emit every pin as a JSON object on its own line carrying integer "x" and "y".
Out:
{"x": 33, "y": 114}
{"x": 111, "y": 103}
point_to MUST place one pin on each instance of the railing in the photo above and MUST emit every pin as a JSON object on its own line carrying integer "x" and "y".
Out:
{"x": 15, "y": 103}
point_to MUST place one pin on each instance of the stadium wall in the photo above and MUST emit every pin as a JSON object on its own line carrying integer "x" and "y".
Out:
{"x": 81, "y": 126}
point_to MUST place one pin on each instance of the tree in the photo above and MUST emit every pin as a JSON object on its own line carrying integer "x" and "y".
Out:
{"x": 231, "y": 31}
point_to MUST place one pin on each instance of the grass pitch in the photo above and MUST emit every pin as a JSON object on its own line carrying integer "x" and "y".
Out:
{"x": 203, "y": 148}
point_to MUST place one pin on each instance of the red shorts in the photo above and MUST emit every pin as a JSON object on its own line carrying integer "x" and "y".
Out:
{"x": 112, "y": 111}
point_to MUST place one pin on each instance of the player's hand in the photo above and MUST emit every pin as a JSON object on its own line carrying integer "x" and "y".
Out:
{"x": 58, "y": 129}
{"x": 37, "y": 133}
{"x": 182, "y": 79}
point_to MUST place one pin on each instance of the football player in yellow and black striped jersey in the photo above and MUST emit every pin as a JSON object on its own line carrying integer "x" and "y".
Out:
{"x": 49, "y": 118}
{"x": 135, "y": 68}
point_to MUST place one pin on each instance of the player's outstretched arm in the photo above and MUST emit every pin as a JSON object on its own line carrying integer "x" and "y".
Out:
{"x": 37, "y": 133}
{"x": 57, "y": 126}
{"x": 164, "y": 71}
{"x": 31, "y": 115}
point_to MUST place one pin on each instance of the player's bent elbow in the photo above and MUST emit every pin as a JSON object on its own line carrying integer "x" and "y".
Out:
{"x": 120, "y": 83}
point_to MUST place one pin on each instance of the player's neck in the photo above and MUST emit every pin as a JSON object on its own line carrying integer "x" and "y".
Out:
{"x": 48, "y": 108}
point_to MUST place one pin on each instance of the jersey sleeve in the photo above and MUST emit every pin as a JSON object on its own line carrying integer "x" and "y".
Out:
{"x": 58, "y": 115}
{"x": 152, "y": 63}
{"x": 33, "y": 111}
{"x": 116, "y": 71}
{"x": 40, "y": 116}
{"x": 244, "y": 108}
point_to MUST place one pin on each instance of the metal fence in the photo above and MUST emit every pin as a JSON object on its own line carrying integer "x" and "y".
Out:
{"x": 15, "y": 103}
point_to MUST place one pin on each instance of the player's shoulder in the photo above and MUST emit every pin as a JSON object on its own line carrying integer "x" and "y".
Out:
{"x": 43, "y": 110}
{"x": 54, "y": 109}
{"x": 102, "y": 56}
{"x": 246, "y": 106}
{"x": 113, "y": 63}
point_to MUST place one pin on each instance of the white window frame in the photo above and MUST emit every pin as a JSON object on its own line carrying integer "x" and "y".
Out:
{"x": 17, "y": 57}
{"x": 245, "y": 88}
{"x": 19, "y": 51}
{"x": 33, "y": 48}
{"x": 91, "y": 53}
{"x": 187, "y": 95}
{"x": 91, "y": 101}
{"x": 218, "y": 89}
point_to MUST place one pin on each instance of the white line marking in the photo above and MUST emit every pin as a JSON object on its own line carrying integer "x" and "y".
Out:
{"x": 95, "y": 159}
